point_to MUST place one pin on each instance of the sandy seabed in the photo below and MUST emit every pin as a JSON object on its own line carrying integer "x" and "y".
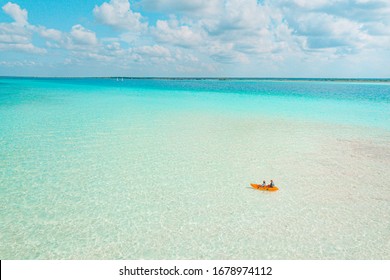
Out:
{"x": 183, "y": 193}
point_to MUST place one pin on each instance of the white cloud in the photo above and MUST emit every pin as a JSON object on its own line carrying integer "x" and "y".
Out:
{"x": 185, "y": 56}
{"x": 187, "y": 35}
{"x": 51, "y": 34}
{"x": 118, "y": 14}
{"x": 17, "y": 35}
{"x": 342, "y": 26}
{"x": 115, "y": 50}
{"x": 22, "y": 63}
{"x": 193, "y": 8}
{"x": 225, "y": 53}
{"x": 13, "y": 38}
{"x": 19, "y": 15}
{"x": 82, "y": 36}
{"x": 311, "y": 4}
{"x": 235, "y": 32}
{"x": 247, "y": 16}
{"x": 153, "y": 51}
{"x": 173, "y": 33}
{"x": 29, "y": 48}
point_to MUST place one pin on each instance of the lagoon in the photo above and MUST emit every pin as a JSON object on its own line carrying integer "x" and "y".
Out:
{"x": 160, "y": 169}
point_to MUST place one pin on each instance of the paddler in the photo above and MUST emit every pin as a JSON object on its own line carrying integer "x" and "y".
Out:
{"x": 271, "y": 185}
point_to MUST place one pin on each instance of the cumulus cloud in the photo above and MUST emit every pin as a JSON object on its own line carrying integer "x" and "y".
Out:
{"x": 51, "y": 34}
{"x": 189, "y": 35}
{"x": 118, "y": 14}
{"x": 226, "y": 53}
{"x": 83, "y": 36}
{"x": 311, "y": 4}
{"x": 20, "y": 63}
{"x": 155, "y": 50}
{"x": 344, "y": 26}
{"x": 249, "y": 16}
{"x": 193, "y": 8}
{"x": 28, "y": 47}
{"x": 13, "y": 10}
{"x": 17, "y": 35}
{"x": 170, "y": 31}
{"x": 259, "y": 28}
{"x": 234, "y": 32}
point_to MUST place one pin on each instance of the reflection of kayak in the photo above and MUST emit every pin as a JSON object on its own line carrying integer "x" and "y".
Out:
{"x": 266, "y": 188}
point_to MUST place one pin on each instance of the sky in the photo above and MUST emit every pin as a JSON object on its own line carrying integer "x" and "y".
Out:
{"x": 197, "y": 38}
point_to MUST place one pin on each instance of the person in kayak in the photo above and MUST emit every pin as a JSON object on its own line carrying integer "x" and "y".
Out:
{"x": 271, "y": 185}
{"x": 263, "y": 184}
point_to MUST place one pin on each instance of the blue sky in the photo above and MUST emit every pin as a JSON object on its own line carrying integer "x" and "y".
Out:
{"x": 240, "y": 38}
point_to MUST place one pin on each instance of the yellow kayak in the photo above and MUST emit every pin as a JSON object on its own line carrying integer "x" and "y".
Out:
{"x": 265, "y": 188}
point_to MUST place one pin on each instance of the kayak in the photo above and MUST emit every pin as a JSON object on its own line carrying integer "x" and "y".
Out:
{"x": 265, "y": 188}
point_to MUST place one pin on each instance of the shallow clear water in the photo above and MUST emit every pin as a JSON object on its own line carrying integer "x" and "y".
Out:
{"x": 160, "y": 169}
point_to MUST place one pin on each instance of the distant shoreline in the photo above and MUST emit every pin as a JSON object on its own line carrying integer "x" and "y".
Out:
{"x": 362, "y": 80}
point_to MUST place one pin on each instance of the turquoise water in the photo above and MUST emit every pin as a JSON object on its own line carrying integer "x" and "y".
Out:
{"x": 159, "y": 169}
{"x": 342, "y": 102}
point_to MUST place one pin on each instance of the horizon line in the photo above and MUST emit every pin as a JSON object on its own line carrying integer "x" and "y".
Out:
{"x": 196, "y": 78}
